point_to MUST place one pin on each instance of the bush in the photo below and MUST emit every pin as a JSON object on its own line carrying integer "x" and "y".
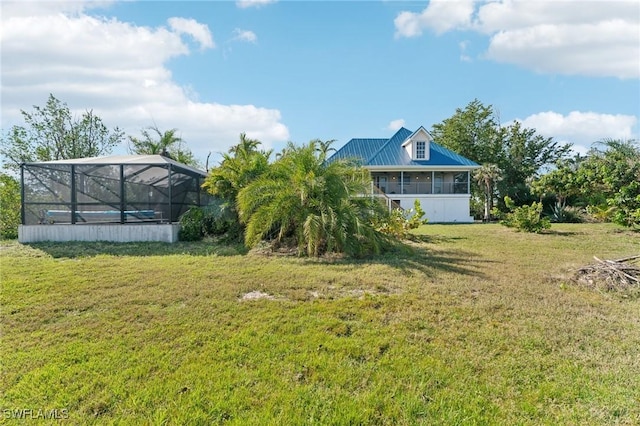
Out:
{"x": 192, "y": 225}
{"x": 525, "y": 218}
{"x": 398, "y": 222}
{"x": 221, "y": 219}
{"x": 561, "y": 213}
{"x": 9, "y": 206}
{"x": 600, "y": 212}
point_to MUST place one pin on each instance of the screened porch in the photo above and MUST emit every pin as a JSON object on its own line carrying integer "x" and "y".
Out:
{"x": 430, "y": 182}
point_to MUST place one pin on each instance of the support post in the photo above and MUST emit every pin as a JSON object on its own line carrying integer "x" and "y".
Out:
{"x": 74, "y": 198}
{"x": 22, "y": 211}
{"x": 123, "y": 201}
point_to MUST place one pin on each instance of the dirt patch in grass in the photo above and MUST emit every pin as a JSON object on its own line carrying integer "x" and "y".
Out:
{"x": 254, "y": 295}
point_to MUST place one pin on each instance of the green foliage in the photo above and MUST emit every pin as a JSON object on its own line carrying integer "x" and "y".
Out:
{"x": 312, "y": 202}
{"x": 397, "y": 223}
{"x": 9, "y": 206}
{"x": 192, "y": 225}
{"x": 525, "y": 218}
{"x": 561, "y": 213}
{"x": 393, "y": 223}
{"x": 167, "y": 143}
{"x": 221, "y": 220}
{"x": 487, "y": 177}
{"x": 561, "y": 182}
{"x": 600, "y": 212}
{"x": 627, "y": 206}
{"x": 607, "y": 181}
{"x": 243, "y": 164}
{"x": 611, "y": 172}
{"x": 519, "y": 153}
{"x": 525, "y": 153}
{"x": 416, "y": 215}
{"x": 473, "y": 133}
{"x": 52, "y": 133}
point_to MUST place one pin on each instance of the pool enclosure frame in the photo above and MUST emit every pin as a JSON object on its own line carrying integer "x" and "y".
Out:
{"x": 84, "y": 199}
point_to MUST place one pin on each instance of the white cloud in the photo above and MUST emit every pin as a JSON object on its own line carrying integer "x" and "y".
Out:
{"x": 199, "y": 32}
{"x": 440, "y": 16}
{"x": 244, "y": 35}
{"x": 582, "y": 128}
{"x": 118, "y": 69}
{"x": 243, "y": 4}
{"x": 396, "y": 124}
{"x": 594, "y": 38}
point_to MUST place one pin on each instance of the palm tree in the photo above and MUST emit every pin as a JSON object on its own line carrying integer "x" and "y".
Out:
{"x": 312, "y": 203}
{"x": 167, "y": 143}
{"x": 244, "y": 163}
{"x": 487, "y": 176}
{"x": 159, "y": 144}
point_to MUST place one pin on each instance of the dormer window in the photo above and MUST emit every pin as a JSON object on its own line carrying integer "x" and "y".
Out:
{"x": 420, "y": 149}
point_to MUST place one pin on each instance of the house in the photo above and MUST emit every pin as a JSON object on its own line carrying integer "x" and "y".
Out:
{"x": 117, "y": 198}
{"x": 410, "y": 166}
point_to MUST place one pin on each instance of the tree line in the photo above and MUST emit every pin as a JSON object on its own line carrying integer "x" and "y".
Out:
{"x": 298, "y": 198}
{"x": 52, "y": 132}
{"x": 521, "y": 167}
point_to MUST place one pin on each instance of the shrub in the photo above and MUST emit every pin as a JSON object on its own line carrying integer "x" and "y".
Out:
{"x": 398, "y": 222}
{"x": 600, "y": 212}
{"x": 9, "y": 206}
{"x": 220, "y": 219}
{"x": 416, "y": 216}
{"x": 192, "y": 225}
{"x": 561, "y": 213}
{"x": 525, "y": 218}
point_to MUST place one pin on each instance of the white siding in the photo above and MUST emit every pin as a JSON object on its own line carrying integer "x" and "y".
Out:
{"x": 445, "y": 208}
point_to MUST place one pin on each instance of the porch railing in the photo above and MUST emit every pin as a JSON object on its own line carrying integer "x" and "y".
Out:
{"x": 391, "y": 188}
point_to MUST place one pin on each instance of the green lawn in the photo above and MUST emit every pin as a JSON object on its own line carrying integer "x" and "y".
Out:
{"x": 477, "y": 325}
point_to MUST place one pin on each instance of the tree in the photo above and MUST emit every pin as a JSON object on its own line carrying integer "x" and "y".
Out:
{"x": 167, "y": 144}
{"x": 472, "y": 132}
{"x": 561, "y": 182}
{"x": 9, "y": 206}
{"x": 525, "y": 153}
{"x": 53, "y": 133}
{"x": 612, "y": 172}
{"x": 487, "y": 176}
{"x": 242, "y": 164}
{"x": 313, "y": 203}
{"x": 475, "y": 132}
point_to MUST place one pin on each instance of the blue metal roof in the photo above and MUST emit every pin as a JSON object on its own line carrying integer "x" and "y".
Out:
{"x": 390, "y": 152}
{"x": 359, "y": 149}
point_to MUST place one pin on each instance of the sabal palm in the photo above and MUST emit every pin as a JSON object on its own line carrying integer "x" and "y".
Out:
{"x": 311, "y": 201}
{"x": 486, "y": 177}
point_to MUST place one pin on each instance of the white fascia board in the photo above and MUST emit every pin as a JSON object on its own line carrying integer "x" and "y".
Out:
{"x": 421, "y": 168}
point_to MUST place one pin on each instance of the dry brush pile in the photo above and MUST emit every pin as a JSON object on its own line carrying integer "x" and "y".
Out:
{"x": 611, "y": 275}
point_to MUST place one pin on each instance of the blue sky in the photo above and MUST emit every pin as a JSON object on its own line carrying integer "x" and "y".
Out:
{"x": 300, "y": 70}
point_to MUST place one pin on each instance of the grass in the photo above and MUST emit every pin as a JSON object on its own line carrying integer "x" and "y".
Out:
{"x": 477, "y": 325}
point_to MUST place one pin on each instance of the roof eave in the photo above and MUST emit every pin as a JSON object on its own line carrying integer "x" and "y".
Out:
{"x": 434, "y": 168}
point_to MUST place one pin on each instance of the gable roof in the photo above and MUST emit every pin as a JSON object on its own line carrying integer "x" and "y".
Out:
{"x": 390, "y": 152}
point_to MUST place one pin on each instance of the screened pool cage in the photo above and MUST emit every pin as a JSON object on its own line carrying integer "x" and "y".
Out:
{"x": 131, "y": 189}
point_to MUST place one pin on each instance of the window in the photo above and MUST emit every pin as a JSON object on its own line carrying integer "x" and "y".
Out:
{"x": 420, "y": 149}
